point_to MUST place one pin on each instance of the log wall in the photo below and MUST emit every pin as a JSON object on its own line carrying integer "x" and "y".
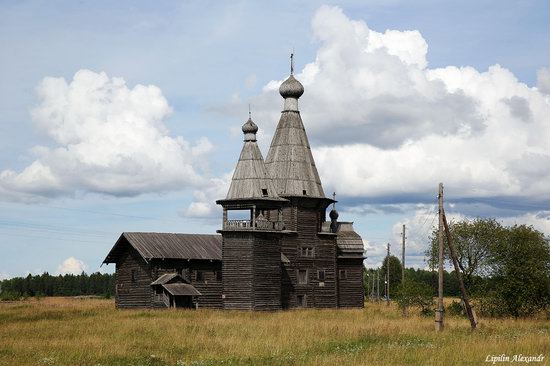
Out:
{"x": 140, "y": 294}
{"x": 320, "y": 294}
{"x": 351, "y": 292}
{"x": 210, "y": 286}
{"x": 251, "y": 270}
{"x": 237, "y": 269}
{"x": 133, "y": 293}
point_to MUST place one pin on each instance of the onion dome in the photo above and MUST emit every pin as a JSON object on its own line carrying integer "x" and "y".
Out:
{"x": 291, "y": 88}
{"x": 333, "y": 214}
{"x": 249, "y": 130}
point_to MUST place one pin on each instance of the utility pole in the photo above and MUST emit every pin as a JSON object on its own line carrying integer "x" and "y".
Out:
{"x": 378, "y": 285}
{"x": 405, "y": 310}
{"x": 388, "y": 277}
{"x": 439, "y": 320}
{"x": 373, "y": 291}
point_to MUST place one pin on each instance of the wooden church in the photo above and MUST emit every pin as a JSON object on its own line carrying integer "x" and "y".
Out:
{"x": 275, "y": 250}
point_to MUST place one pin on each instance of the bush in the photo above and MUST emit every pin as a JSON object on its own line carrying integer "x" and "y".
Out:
{"x": 455, "y": 308}
{"x": 415, "y": 294}
{"x": 9, "y": 296}
{"x": 521, "y": 275}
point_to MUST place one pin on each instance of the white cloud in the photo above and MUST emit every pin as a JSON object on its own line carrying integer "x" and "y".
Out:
{"x": 108, "y": 138}
{"x": 539, "y": 220}
{"x": 71, "y": 265}
{"x": 543, "y": 80}
{"x": 384, "y": 124}
{"x": 204, "y": 200}
{"x": 4, "y": 276}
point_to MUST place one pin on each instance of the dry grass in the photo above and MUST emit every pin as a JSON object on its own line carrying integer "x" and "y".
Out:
{"x": 59, "y": 331}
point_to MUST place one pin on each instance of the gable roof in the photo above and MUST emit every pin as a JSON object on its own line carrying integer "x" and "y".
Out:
{"x": 165, "y": 278}
{"x": 181, "y": 289}
{"x": 168, "y": 246}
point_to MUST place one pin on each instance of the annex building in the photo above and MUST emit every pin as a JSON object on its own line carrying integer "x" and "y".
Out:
{"x": 275, "y": 250}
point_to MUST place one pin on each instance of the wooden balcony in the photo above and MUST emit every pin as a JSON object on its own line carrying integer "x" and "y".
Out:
{"x": 249, "y": 225}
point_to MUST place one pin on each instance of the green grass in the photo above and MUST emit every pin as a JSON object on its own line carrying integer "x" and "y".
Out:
{"x": 64, "y": 331}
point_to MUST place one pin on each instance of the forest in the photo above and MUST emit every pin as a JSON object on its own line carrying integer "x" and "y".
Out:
{"x": 98, "y": 284}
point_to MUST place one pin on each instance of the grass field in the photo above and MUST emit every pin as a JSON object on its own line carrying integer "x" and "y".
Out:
{"x": 65, "y": 331}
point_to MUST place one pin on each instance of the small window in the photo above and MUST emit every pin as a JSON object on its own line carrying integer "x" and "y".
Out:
{"x": 321, "y": 275}
{"x": 264, "y": 192}
{"x": 302, "y": 276}
{"x": 219, "y": 276}
{"x": 343, "y": 274}
{"x": 307, "y": 252}
{"x": 199, "y": 276}
{"x": 304, "y": 192}
{"x": 301, "y": 300}
{"x": 133, "y": 275}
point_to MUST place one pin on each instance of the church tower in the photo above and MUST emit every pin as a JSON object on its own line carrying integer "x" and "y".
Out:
{"x": 251, "y": 232}
{"x": 278, "y": 249}
{"x": 309, "y": 274}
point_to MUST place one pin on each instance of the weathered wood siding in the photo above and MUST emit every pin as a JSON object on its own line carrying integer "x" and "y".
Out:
{"x": 351, "y": 292}
{"x": 210, "y": 287}
{"x": 251, "y": 270}
{"x": 237, "y": 270}
{"x": 133, "y": 293}
{"x": 306, "y": 223}
{"x": 267, "y": 272}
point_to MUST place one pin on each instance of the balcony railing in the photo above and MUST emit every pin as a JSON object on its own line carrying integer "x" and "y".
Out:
{"x": 247, "y": 225}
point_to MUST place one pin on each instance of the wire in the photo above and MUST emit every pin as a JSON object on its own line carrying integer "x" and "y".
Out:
{"x": 49, "y": 237}
{"x": 103, "y": 213}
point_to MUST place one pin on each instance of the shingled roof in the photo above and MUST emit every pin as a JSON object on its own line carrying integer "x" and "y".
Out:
{"x": 250, "y": 179}
{"x": 349, "y": 243}
{"x": 168, "y": 246}
{"x": 289, "y": 160}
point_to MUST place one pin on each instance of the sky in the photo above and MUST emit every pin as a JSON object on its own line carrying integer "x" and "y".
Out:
{"x": 125, "y": 116}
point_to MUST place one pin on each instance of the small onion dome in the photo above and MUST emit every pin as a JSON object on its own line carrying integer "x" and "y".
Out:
{"x": 250, "y": 127}
{"x": 249, "y": 130}
{"x": 333, "y": 214}
{"x": 291, "y": 88}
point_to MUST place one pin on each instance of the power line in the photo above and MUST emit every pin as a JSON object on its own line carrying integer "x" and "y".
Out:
{"x": 52, "y": 228}
{"x": 104, "y": 213}
{"x": 49, "y": 237}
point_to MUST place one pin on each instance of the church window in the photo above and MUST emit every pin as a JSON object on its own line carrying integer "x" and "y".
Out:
{"x": 302, "y": 276}
{"x": 321, "y": 275}
{"x": 343, "y": 274}
{"x": 307, "y": 252}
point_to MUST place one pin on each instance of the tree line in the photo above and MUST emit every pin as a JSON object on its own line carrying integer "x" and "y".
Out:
{"x": 506, "y": 269}
{"x": 428, "y": 277}
{"x": 98, "y": 284}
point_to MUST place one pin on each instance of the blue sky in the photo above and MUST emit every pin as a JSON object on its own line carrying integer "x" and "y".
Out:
{"x": 389, "y": 110}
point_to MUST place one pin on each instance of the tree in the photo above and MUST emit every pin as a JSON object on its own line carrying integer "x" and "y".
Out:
{"x": 413, "y": 293}
{"x": 473, "y": 241}
{"x": 521, "y": 273}
{"x": 395, "y": 274}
